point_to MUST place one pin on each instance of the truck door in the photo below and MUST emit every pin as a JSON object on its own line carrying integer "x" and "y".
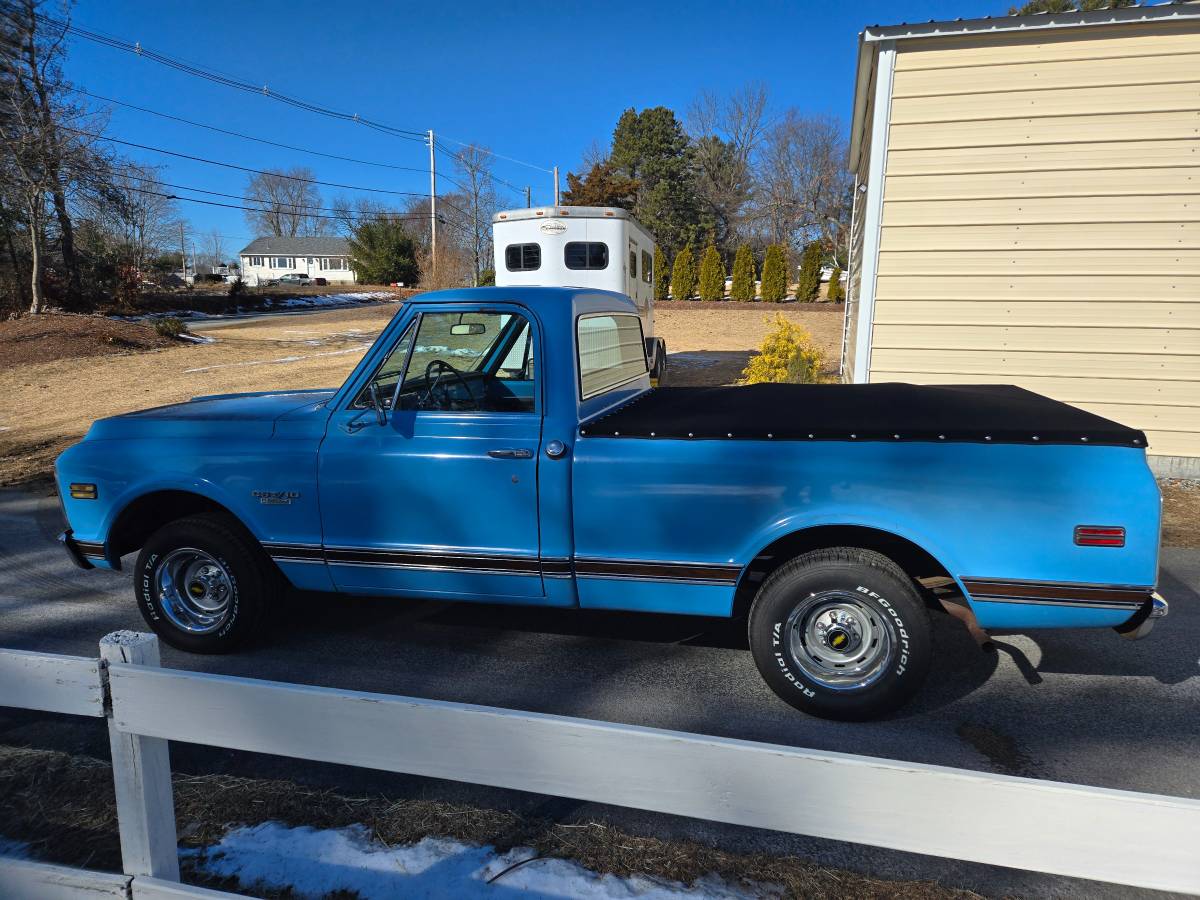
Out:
{"x": 440, "y": 498}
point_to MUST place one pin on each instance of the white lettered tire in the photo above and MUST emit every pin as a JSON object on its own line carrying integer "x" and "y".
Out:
{"x": 204, "y": 585}
{"x": 841, "y": 633}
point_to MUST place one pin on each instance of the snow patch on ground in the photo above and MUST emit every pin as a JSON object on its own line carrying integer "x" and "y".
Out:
{"x": 691, "y": 360}
{"x": 13, "y": 849}
{"x": 441, "y": 348}
{"x": 314, "y": 863}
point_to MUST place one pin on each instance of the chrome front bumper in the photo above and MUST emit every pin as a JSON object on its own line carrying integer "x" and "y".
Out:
{"x": 1142, "y": 622}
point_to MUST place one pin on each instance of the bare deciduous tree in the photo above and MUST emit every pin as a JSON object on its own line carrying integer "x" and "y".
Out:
{"x": 214, "y": 248}
{"x": 804, "y": 190}
{"x": 30, "y": 82}
{"x": 474, "y": 169}
{"x": 349, "y": 211}
{"x": 284, "y": 202}
{"x": 727, "y": 132}
{"x": 139, "y": 213}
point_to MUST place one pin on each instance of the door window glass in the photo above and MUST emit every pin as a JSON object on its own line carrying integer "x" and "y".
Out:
{"x": 388, "y": 374}
{"x": 471, "y": 362}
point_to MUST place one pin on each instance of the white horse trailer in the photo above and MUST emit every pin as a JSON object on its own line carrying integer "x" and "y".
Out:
{"x": 582, "y": 246}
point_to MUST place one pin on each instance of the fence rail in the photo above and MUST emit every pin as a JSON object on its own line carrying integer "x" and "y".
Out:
{"x": 1129, "y": 838}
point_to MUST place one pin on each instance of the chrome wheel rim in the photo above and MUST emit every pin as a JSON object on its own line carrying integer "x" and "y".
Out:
{"x": 194, "y": 590}
{"x": 839, "y": 641}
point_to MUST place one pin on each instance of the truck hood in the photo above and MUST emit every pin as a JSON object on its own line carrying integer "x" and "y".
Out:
{"x": 254, "y": 414}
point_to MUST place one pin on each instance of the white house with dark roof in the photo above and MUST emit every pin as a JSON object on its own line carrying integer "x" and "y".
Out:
{"x": 266, "y": 258}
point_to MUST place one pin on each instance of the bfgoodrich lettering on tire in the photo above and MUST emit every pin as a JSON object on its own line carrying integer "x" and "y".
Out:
{"x": 203, "y": 585}
{"x": 841, "y": 634}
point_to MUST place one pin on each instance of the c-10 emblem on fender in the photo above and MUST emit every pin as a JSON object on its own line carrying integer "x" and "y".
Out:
{"x": 275, "y": 498}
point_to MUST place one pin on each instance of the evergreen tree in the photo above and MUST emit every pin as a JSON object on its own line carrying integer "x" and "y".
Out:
{"x": 712, "y": 275}
{"x": 743, "y": 275}
{"x": 809, "y": 283}
{"x": 652, "y": 149}
{"x": 662, "y": 275}
{"x": 382, "y": 251}
{"x": 836, "y": 293}
{"x": 683, "y": 275}
{"x": 774, "y": 274}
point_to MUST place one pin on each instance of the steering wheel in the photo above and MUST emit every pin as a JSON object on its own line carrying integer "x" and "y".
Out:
{"x": 443, "y": 367}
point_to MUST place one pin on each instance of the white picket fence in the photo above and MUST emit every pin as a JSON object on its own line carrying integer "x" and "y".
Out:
{"x": 1141, "y": 840}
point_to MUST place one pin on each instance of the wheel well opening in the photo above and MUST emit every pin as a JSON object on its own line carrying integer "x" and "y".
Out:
{"x": 916, "y": 562}
{"x": 150, "y": 512}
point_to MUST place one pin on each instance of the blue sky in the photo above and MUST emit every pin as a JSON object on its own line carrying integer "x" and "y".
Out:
{"x": 537, "y": 81}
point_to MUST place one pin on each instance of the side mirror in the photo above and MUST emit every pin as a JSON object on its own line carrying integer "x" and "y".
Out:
{"x": 468, "y": 328}
{"x": 377, "y": 404}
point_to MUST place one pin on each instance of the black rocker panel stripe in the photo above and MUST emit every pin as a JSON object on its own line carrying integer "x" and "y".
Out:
{"x": 1056, "y": 593}
{"x": 510, "y": 565}
{"x": 642, "y": 570}
{"x": 551, "y": 567}
{"x": 91, "y": 549}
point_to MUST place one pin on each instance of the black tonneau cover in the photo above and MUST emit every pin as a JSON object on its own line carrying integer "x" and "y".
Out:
{"x": 975, "y": 413}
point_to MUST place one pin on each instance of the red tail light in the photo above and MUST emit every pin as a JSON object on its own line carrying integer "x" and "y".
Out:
{"x": 1099, "y": 536}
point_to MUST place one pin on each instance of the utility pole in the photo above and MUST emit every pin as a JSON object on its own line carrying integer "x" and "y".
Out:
{"x": 556, "y": 185}
{"x": 182, "y": 253}
{"x": 432, "y": 207}
{"x": 528, "y": 200}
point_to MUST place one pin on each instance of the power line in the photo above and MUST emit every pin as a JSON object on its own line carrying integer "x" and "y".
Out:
{"x": 214, "y": 162}
{"x": 238, "y": 84}
{"x": 227, "y": 80}
{"x": 293, "y": 208}
{"x": 250, "y": 137}
{"x": 519, "y": 162}
{"x": 458, "y": 159}
{"x": 354, "y": 217}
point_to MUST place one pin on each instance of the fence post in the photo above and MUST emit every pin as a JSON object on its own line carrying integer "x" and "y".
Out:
{"x": 142, "y": 775}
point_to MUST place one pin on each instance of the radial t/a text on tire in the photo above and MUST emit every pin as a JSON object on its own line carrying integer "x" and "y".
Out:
{"x": 203, "y": 585}
{"x": 841, "y": 633}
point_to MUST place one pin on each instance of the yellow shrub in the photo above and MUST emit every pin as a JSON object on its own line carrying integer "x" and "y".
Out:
{"x": 788, "y": 356}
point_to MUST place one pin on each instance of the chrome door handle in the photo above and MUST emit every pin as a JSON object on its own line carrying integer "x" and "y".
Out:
{"x": 511, "y": 454}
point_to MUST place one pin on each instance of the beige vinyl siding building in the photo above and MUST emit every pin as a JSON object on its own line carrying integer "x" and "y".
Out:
{"x": 1028, "y": 212}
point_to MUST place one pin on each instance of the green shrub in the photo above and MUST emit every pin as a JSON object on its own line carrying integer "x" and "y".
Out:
{"x": 836, "y": 292}
{"x": 774, "y": 274}
{"x": 712, "y": 275}
{"x": 808, "y": 285}
{"x": 171, "y": 327}
{"x": 788, "y": 356}
{"x": 743, "y": 275}
{"x": 237, "y": 288}
{"x": 683, "y": 275}
{"x": 662, "y": 275}
{"x": 487, "y": 278}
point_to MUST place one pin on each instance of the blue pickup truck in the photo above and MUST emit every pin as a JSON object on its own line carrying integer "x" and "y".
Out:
{"x": 505, "y": 445}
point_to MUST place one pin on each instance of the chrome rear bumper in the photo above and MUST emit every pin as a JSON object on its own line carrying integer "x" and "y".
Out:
{"x": 1141, "y": 623}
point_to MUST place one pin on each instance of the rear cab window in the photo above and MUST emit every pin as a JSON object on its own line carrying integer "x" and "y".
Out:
{"x": 611, "y": 352}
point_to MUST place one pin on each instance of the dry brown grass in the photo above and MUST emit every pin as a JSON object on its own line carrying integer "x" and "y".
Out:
{"x": 63, "y": 806}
